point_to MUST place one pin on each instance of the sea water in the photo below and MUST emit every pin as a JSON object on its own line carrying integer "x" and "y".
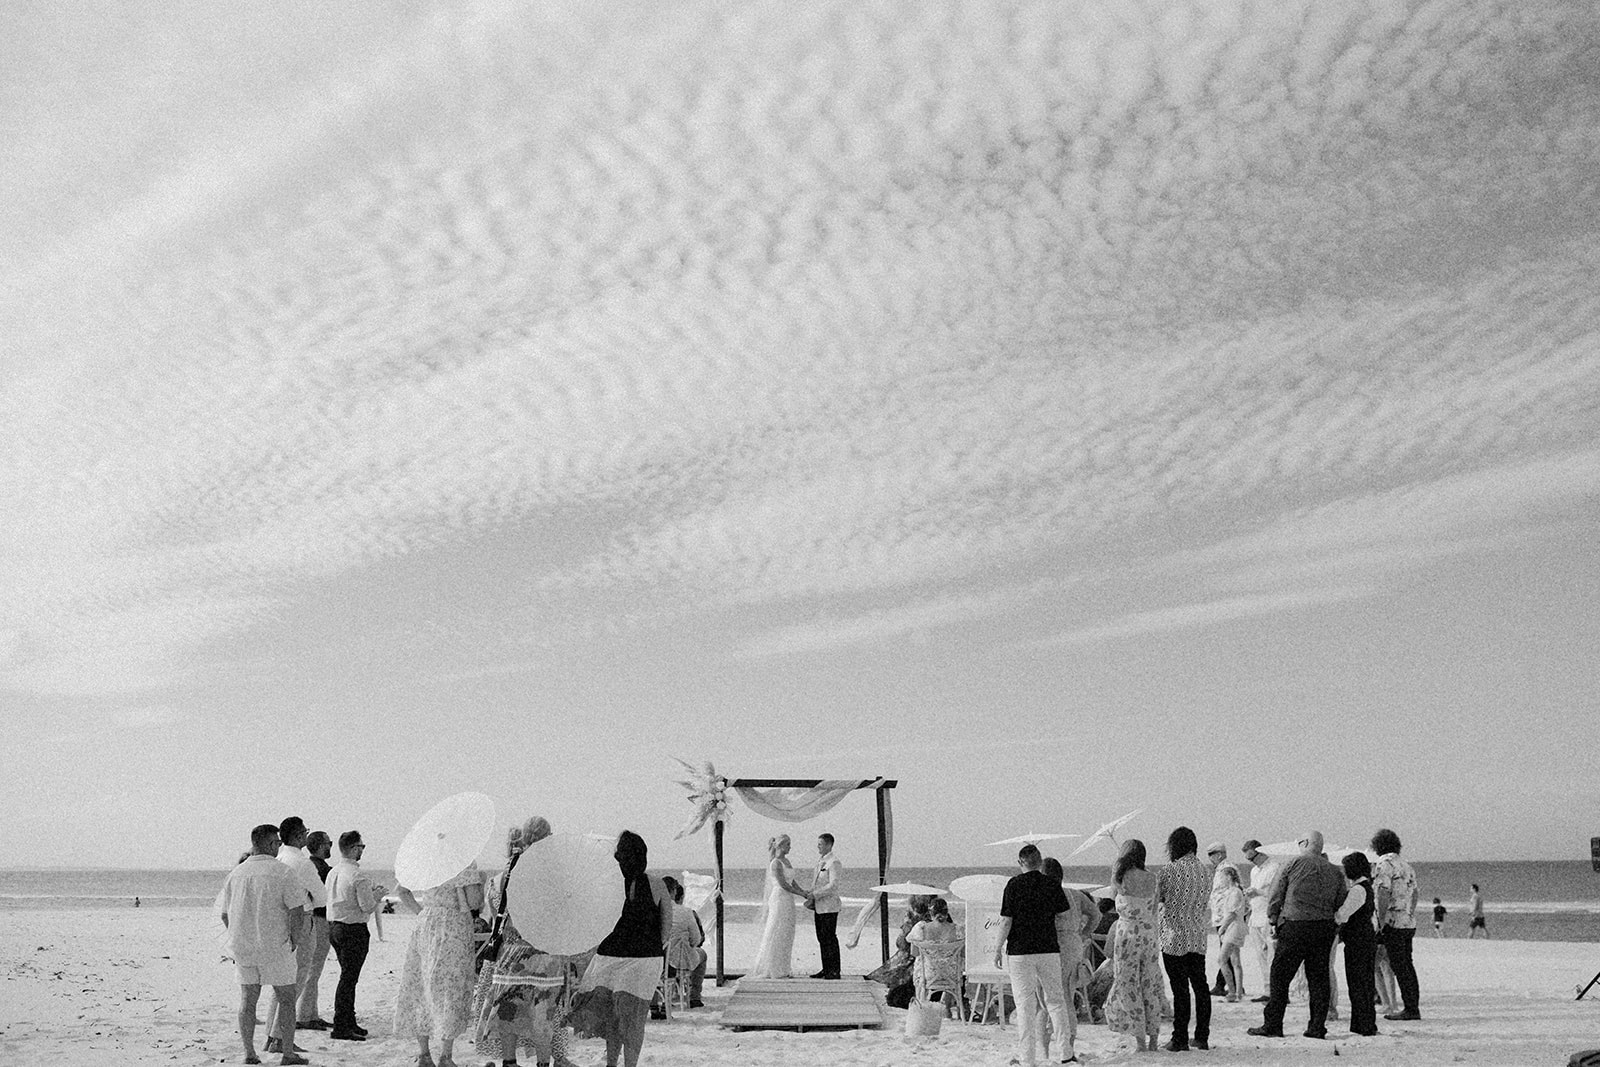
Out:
{"x": 1528, "y": 900}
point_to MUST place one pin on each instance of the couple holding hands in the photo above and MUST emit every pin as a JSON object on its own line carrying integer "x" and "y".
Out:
{"x": 778, "y": 909}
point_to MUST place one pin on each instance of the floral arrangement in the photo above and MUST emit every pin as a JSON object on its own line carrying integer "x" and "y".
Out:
{"x": 708, "y": 792}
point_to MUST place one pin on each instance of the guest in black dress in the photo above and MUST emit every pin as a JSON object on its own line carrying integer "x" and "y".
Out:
{"x": 1360, "y": 944}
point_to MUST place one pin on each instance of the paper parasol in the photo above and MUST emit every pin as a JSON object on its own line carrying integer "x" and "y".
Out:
{"x": 447, "y": 838}
{"x": 1030, "y": 839}
{"x": 908, "y": 889}
{"x": 1107, "y": 832}
{"x": 1282, "y": 849}
{"x": 565, "y": 893}
{"x": 698, "y": 890}
{"x": 980, "y": 888}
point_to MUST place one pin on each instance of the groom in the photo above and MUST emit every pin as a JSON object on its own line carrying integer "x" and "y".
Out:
{"x": 824, "y": 902}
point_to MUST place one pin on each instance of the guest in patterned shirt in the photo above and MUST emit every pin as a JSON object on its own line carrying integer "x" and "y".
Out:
{"x": 1395, "y": 886}
{"x": 1183, "y": 889}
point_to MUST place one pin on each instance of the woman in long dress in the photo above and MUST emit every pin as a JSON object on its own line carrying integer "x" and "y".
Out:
{"x": 614, "y": 996}
{"x": 778, "y": 907}
{"x": 1134, "y": 1004}
{"x": 435, "y": 998}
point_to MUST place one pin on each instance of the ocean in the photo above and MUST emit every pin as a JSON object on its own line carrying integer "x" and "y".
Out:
{"x": 1526, "y": 900}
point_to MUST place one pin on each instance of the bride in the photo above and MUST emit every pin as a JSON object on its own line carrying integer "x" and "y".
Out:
{"x": 778, "y": 913}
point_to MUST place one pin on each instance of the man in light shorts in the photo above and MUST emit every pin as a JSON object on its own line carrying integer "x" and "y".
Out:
{"x": 263, "y": 907}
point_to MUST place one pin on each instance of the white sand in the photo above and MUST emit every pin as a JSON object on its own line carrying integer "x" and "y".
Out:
{"x": 147, "y": 987}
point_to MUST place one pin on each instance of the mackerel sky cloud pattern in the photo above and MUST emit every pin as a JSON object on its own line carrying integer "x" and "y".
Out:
{"x": 810, "y": 327}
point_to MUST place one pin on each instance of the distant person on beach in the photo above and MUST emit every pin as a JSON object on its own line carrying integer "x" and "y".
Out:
{"x": 1439, "y": 913}
{"x": 136, "y": 902}
{"x": 1475, "y": 907}
{"x": 1305, "y": 899}
{"x": 1394, "y": 884}
{"x": 1360, "y": 937}
{"x": 352, "y": 898}
{"x": 825, "y": 905}
{"x": 435, "y": 998}
{"x": 1263, "y": 869}
{"x": 261, "y": 904}
{"x": 1183, "y": 890}
{"x": 614, "y": 996}
{"x": 318, "y": 847}
{"x": 1133, "y": 1006}
{"x": 292, "y": 854}
{"x": 1032, "y": 956}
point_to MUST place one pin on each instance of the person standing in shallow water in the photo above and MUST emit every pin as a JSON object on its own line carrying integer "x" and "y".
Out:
{"x": 1475, "y": 910}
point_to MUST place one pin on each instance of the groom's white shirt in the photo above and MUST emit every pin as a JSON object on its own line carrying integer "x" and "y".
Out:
{"x": 825, "y": 884}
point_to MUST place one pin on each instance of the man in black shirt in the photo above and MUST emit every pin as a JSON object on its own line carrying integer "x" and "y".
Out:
{"x": 1028, "y": 913}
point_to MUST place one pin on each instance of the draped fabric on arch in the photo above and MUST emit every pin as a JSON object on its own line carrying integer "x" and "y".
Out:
{"x": 797, "y": 804}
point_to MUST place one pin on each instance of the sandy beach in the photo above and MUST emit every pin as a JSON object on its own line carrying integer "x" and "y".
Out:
{"x": 149, "y": 987}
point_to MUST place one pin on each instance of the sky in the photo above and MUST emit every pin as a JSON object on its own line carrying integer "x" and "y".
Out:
{"x": 1059, "y": 408}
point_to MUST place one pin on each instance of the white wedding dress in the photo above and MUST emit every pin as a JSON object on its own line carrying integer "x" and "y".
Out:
{"x": 778, "y": 913}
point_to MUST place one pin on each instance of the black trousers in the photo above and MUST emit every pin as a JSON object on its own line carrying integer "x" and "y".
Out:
{"x": 1188, "y": 973}
{"x": 1397, "y": 943}
{"x": 828, "y": 942}
{"x": 1308, "y": 944}
{"x": 1359, "y": 979}
{"x": 349, "y": 941}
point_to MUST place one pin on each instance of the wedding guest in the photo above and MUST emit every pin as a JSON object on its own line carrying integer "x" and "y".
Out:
{"x": 686, "y": 942}
{"x": 825, "y": 905}
{"x": 1217, "y": 858}
{"x": 318, "y": 848}
{"x": 1263, "y": 869}
{"x": 1133, "y": 1005}
{"x": 1072, "y": 926}
{"x": 614, "y": 996}
{"x": 896, "y": 974}
{"x": 1183, "y": 889}
{"x": 1394, "y": 886}
{"x": 509, "y": 1012}
{"x": 292, "y": 854}
{"x": 1229, "y": 917}
{"x": 261, "y": 904}
{"x": 1028, "y": 910}
{"x": 435, "y": 998}
{"x": 352, "y": 898}
{"x": 1360, "y": 939}
{"x": 1305, "y": 898}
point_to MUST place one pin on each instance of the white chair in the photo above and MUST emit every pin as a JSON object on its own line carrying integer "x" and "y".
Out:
{"x": 939, "y": 967}
{"x": 681, "y": 958}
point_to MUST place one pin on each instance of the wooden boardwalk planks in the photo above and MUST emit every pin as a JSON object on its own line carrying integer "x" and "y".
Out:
{"x": 804, "y": 1004}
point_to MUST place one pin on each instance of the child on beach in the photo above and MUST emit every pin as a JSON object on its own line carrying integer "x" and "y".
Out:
{"x": 1438, "y": 918}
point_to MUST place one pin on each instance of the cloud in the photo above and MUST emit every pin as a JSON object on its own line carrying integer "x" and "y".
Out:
{"x": 756, "y": 310}
{"x": 1190, "y": 616}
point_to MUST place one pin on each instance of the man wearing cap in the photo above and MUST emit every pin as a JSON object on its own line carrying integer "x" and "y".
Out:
{"x": 1302, "y": 906}
{"x": 1217, "y": 857}
{"x": 1262, "y": 871}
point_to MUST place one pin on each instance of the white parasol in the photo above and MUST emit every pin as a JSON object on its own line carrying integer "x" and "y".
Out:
{"x": 698, "y": 890}
{"x": 1107, "y": 832}
{"x": 1032, "y": 839}
{"x": 980, "y": 888}
{"x": 444, "y": 841}
{"x": 565, "y": 893}
{"x": 1335, "y": 853}
{"x": 908, "y": 889}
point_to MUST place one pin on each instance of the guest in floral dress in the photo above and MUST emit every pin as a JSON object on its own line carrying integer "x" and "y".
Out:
{"x": 511, "y": 1003}
{"x": 435, "y": 998}
{"x": 1134, "y": 1003}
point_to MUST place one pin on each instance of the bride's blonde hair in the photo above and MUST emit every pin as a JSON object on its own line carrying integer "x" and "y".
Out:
{"x": 772, "y": 845}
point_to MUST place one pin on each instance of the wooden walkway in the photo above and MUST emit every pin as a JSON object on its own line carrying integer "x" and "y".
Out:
{"x": 805, "y": 1004}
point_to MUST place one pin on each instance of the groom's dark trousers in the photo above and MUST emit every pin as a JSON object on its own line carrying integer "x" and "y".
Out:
{"x": 828, "y": 941}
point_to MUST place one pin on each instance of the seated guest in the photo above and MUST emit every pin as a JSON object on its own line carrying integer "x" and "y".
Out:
{"x": 934, "y": 970}
{"x": 686, "y": 943}
{"x": 896, "y": 974}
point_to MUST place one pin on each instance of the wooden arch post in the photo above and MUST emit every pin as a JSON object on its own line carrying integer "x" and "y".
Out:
{"x": 877, "y": 785}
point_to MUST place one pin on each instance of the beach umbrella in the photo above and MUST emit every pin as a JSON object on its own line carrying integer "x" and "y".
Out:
{"x": 1283, "y": 849}
{"x": 908, "y": 889}
{"x": 565, "y": 893}
{"x": 1107, "y": 832}
{"x": 444, "y": 841}
{"x": 980, "y": 888}
{"x": 1032, "y": 839}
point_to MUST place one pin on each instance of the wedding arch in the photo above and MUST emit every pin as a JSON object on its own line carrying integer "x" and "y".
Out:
{"x": 787, "y": 800}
